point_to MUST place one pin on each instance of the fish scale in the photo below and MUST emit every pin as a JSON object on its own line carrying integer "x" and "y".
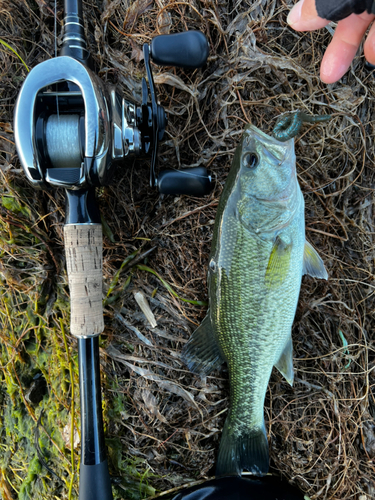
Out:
{"x": 258, "y": 256}
{"x": 249, "y": 315}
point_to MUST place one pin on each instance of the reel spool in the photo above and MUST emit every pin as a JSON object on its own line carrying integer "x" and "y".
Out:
{"x": 63, "y": 141}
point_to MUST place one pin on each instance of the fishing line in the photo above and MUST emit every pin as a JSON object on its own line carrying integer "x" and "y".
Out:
{"x": 55, "y": 27}
{"x": 55, "y": 42}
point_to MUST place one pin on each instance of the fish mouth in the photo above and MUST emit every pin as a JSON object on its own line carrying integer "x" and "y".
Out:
{"x": 255, "y": 130}
{"x": 281, "y": 201}
{"x": 265, "y": 139}
{"x": 277, "y": 227}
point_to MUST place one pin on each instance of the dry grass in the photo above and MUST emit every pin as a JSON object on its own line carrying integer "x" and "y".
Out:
{"x": 159, "y": 417}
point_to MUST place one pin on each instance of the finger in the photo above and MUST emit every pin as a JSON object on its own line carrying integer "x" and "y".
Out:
{"x": 343, "y": 48}
{"x": 369, "y": 47}
{"x": 304, "y": 17}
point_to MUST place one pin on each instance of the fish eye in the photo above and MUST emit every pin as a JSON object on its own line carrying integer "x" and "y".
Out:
{"x": 251, "y": 160}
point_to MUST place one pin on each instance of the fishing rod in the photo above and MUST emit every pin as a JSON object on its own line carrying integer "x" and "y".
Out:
{"x": 71, "y": 132}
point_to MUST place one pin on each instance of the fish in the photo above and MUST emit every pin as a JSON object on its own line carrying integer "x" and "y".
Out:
{"x": 258, "y": 256}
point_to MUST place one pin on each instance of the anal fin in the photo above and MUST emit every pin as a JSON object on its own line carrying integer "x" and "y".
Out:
{"x": 202, "y": 354}
{"x": 285, "y": 362}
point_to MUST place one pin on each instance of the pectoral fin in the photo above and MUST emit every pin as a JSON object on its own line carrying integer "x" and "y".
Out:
{"x": 312, "y": 263}
{"x": 202, "y": 354}
{"x": 278, "y": 264}
{"x": 285, "y": 363}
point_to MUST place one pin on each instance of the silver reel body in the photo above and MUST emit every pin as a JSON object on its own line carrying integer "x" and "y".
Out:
{"x": 72, "y": 138}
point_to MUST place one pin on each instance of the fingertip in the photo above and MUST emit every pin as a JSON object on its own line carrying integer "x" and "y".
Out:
{"x": 294, "y": 15}
{"x": 336, "y": 61}
{"x": 369, "y": 47}
{"x": 304, "y": 17}
{"x": 328, "y": 69}
{"x": 343, "y": 48}
{"x": 328, "y": 78}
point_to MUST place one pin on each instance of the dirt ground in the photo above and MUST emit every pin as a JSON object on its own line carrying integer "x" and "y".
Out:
{"x": 163, "y": 424}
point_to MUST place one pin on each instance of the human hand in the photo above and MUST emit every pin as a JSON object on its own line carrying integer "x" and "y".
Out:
{"x": 353, "y": 20}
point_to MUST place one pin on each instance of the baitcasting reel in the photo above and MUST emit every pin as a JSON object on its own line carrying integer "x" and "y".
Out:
{"x": 72, "y": 131}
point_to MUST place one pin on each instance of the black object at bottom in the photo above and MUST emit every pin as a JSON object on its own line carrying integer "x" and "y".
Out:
{"x": 94, "y": 482}
{"x": 240, "y": 488}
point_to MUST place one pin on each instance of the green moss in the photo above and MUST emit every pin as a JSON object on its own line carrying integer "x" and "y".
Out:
{"x": 33, "y": 471}
{"x": 11, "y": 203}
{"x": 133, "y": 482}
{"x": 31, "y": 342}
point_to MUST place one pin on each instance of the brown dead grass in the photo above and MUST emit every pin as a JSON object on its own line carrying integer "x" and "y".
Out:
{"x": 321, "y": 432}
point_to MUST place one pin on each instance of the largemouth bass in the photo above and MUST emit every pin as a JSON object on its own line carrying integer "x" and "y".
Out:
{"x": 259, "y": 254}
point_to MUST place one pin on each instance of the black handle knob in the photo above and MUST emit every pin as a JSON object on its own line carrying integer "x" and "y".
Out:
{"x": 192, "y": 181}
{"x": 185, "y": 50}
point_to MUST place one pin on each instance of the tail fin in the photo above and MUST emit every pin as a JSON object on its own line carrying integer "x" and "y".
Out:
{"x": 246, "y": 451}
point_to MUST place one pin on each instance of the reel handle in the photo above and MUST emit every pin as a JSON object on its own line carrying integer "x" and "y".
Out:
{"x": 184, "y": 50}
{"x": 191, "y": 181}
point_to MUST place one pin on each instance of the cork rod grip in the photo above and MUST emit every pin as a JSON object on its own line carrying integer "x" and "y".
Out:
{"x": 83, "y": 251}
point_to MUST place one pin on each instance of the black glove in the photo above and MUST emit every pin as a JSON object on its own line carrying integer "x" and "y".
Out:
{"x": 335, "y": 10}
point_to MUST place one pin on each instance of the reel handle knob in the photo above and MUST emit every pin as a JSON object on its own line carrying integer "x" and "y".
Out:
{"x": 191, "y": 181}
{"x": 185, "y": 50}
